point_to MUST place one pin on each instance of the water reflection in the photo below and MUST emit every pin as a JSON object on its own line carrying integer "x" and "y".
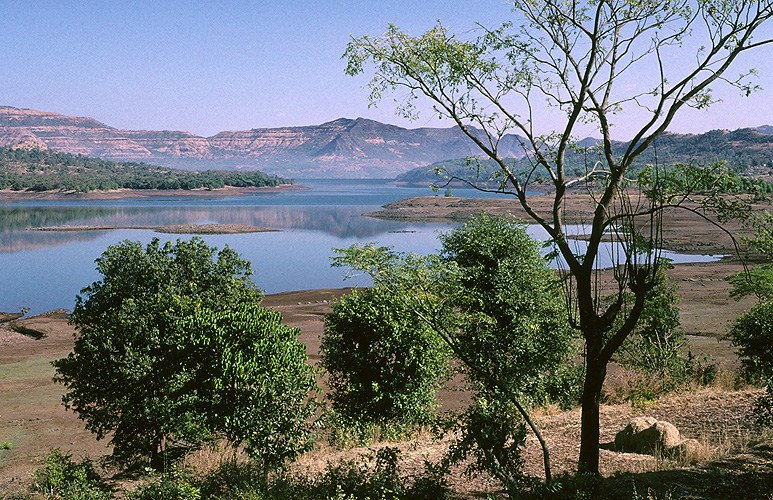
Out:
{"x": 341, "y": 222}
{"x": 44, "y": 270}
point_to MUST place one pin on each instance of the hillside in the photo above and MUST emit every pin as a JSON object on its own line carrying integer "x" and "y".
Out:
{"x": 340, "y": 148}
{"x": 34, "y": 169}
{"x": 749, "y": 151}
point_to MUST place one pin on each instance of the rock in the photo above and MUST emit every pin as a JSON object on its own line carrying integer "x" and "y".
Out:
{"x": 660, "y": 436}
{"x": 648, "y": 435}
{"x": 687, "y": 449}
{"x": 626, "y": 439}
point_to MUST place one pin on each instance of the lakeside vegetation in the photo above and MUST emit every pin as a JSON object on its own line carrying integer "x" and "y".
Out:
{"x": 41, "y": 170}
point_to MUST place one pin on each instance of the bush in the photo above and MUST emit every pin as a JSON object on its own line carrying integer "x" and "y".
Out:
{"x": 752, "y": 333}
{"x": 173, "y": 350}
{"x": 384, "y": 363}
{"x": 172, "y": 486}
{"x": 61, "y": 477}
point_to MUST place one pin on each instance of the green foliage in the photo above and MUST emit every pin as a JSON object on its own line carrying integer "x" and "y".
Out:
{"x": 759, "y": 279}
{"x": 61, "y": 477}
{"x": 578, "y": 56}
{"x": 492, "y": 434}
{"x": 513, "y": 323}
{"x": 752, "y": 333}
{"x": 156, "y": 368}
{"x": 45, "y": 170}
{"x": 656, "y": 345}
{"x": 491, "y": 297}
{"x": 384, "y": 363}
{"x": 174, "y": 485}
{"x": 5, "y": 445}
{"x": 731, "y": 149}
{"x": 252, "y": 381}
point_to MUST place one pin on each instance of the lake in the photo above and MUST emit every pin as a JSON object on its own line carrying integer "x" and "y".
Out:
{"x": 44, "y": 270}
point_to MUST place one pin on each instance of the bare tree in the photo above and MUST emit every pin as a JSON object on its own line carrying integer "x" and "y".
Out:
{"x": 579, "y": 56}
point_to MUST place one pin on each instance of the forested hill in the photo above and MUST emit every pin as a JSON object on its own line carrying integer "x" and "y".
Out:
{"x": 34, "y": 169}
{"x": 747, "y": 151}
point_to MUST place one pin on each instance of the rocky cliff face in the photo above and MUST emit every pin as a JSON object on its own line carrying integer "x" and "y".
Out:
{"x": 340, "y": 148}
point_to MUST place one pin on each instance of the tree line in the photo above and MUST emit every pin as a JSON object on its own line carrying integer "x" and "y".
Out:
{"x": 44, "y": 170}
{"x": 483, "y": 172}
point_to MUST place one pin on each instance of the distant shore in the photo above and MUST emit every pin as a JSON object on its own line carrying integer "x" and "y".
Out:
{"x": 683, "y": 231}
{"x": 170, "y": 229}
{"x": 9, "y": 196}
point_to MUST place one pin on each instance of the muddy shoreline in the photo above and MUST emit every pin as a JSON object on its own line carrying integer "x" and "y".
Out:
{"x": 684, "y": 231}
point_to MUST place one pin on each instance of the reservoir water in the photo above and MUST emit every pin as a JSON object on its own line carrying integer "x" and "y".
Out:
{"x": 44, "y": 270}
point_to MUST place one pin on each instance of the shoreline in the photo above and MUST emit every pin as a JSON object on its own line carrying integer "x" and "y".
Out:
{"x": 169, "y": 229}
{"x": 8, "y": 196}
{"x": 683, "y": 231}
{"x": 705, "y": 303}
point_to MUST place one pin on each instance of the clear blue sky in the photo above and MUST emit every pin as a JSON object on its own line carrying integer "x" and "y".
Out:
{"x": 207, "y": 66}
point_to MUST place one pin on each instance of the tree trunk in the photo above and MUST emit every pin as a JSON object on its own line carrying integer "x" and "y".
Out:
{"x": 595, "y": 372}
{"x": 157, "y": 454}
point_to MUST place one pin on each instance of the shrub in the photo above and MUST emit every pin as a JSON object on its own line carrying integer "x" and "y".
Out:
{"x": 174, "y": 485}
{"x": 384, "y": 363}
{"x": 61, "y": 477}
{"x": 752, "y": 333}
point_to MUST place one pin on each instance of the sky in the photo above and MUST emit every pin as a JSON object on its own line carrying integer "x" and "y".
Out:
{"x": 209, "y": 66}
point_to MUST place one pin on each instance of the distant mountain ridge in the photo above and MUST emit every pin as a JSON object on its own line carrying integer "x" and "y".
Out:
{"x": 748, "y": 151}
{"x": 339, "y": 148}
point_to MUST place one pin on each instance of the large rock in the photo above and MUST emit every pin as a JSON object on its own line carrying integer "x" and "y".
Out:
{"x": 648, "y": 435}
{"x": 627, "y": 439}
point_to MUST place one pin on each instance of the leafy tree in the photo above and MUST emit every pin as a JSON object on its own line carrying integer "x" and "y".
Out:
{"x": 513, "y": 324}
{"x": 578, "y": 55}
{"x": 384, "y": 363}
{"x": 39, "y": 170}
{"x": 491, "y": 297}
{"x": 172, "y": 349}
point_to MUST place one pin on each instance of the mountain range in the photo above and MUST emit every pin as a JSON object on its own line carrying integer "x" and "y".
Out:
{"x": 339, "y": 148}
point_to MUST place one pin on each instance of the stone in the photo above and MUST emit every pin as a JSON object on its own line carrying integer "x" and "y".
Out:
{"x": 648, "y": 435}
{"x": 687, "y": 449}
{"x": 625, "y": 440}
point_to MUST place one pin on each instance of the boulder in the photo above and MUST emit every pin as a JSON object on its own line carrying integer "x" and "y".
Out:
{"x": 648, "y": 435}
{"x": 626, "y": 440}
{"x": 689, "y": 448}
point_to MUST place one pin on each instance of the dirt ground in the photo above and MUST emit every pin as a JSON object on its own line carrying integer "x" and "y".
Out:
{"x": 32, "y": 420}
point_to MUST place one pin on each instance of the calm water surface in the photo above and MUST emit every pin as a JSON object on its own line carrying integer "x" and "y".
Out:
{"x": 45, "y": 270}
